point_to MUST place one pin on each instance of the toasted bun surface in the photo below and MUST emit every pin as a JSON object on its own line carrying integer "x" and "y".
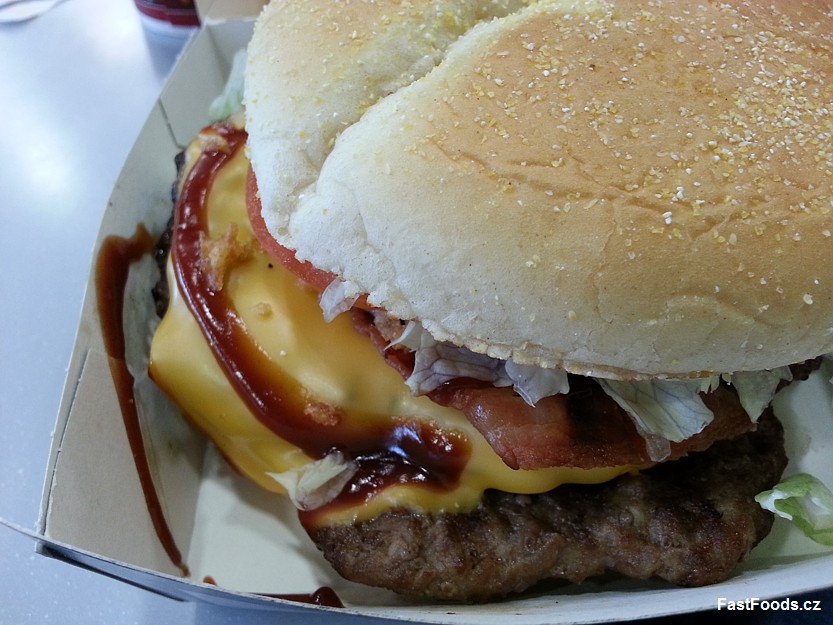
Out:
{"x": 317, "y": 65}
{"x": 625, "y": 189}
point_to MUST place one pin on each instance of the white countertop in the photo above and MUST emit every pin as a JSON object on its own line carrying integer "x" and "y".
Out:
{"x": 76, "y": 85}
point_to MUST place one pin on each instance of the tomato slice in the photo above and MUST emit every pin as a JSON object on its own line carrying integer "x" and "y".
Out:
{"x": 305, "y": 271}
{"x": 316, "y": 278}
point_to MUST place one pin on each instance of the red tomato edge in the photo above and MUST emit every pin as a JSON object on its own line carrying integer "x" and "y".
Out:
{"x": 305, "y": 271}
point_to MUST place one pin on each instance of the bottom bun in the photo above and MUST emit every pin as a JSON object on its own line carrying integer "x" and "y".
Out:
{"x": 688, "y": 522}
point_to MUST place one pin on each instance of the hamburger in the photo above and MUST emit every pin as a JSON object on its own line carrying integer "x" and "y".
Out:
{"x": 501, "y": 292}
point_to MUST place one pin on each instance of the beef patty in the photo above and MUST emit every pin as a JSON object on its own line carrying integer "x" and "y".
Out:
{"x": 689, "y": 522}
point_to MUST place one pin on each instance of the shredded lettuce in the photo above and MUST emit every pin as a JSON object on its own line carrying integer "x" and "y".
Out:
{"x": 757, "y": 388}
{"x": 670, "y": 409}
{"x": 338, "y": 297}
{"x": 829, "y": 357}
{"x": 674, "y": 409}
{"x": 804, "y": 500}
{"x": 436, "y": 363}
{"x": 411, "y": 336}
{"x": 710, "y": 384}
{"x": 231, "y": 99}
{"x": 534, "y": 383}
{"x": 317, "y": 483}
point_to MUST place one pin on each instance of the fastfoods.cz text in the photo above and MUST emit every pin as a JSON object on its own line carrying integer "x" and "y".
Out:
{"x": 755, "y": 603}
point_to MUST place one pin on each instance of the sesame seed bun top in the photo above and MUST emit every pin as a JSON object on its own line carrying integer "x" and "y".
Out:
{"x": 626, "y": 189}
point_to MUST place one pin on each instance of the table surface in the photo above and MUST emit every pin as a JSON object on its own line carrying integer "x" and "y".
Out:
{"x": 77, "y": 85}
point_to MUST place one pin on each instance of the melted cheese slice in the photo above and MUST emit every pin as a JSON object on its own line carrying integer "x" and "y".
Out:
{"x": 330, "y": 361}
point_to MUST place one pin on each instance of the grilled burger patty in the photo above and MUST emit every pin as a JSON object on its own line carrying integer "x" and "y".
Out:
{"x": 688, "y": 522}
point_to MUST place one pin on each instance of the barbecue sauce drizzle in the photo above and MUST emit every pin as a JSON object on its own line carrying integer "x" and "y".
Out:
{"x": 325, "y": 596}
{"x": 113, "y": 263}
{"x": 391, "y": 453}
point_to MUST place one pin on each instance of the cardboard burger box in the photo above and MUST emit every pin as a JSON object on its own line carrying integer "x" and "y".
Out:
{"x": 240, "y": 546}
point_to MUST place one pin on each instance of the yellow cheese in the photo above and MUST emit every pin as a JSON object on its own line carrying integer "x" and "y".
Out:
{"x": 329, "y": 361}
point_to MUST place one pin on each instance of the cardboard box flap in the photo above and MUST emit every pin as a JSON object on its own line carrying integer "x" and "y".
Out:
{"x": 212, "y": 11}
{"x": 200, "y": 76}
{"x": 91, "y": 480}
